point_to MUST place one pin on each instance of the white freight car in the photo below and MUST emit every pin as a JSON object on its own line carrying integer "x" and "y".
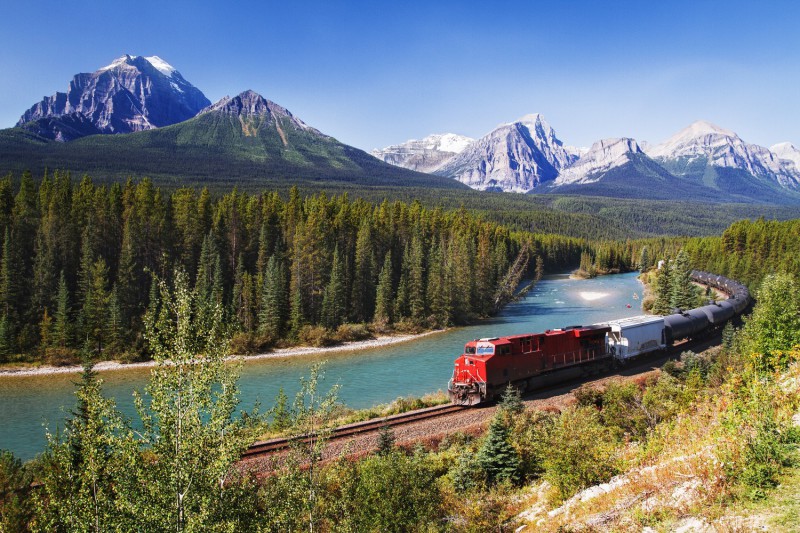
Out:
{"x": 632, "y": 336}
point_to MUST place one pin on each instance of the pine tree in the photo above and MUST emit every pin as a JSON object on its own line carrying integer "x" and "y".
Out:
{"x": 94, "y": 315}
{"x": 496, "y": 457}
{"x": 281, "y": 414}
{"x": 384, "y": 298}
{"x": 363, "y": 283}
{"x": 333, "y": 302}
{"x": 62, "y": 330}
{"x": 272, "y": 316}
{"x": 115, "y": 343}
{"x": 663, "y": 290}
{"x": 683, "y": 293}
{"x": 416, "y": 278}
{"x": 644, "y": 259}
{"x": 385, "y": 440}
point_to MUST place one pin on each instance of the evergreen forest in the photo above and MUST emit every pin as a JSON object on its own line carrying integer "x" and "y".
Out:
{"x": 78, "y": 260}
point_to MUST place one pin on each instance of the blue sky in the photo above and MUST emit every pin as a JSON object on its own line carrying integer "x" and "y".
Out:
{"x": 377, "y": 73}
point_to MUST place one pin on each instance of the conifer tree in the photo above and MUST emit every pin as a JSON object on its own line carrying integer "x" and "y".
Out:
{"x": 363, "y": 273}
{"x": 496, "y": 457}
{"x": 416, "y": 278}
{"x": 644, "y": 259}
{"x": 384, "y": 297}
{"x": 663, "y": 289}
{"x": 683, "y": 293}
{"x": 62, "y": 330}
{"x": 95, "y": 306}
{"x": 334, "y": 297}
{"x": 272, "y": 316}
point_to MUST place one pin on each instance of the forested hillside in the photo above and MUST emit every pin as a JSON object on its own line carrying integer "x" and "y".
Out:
{"x": 77, "y": 262}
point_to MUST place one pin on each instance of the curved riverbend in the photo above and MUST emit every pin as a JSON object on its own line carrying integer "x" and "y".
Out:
{"x": 367, "y": 377}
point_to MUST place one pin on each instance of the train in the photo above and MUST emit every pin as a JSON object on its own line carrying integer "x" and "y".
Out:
{"x": 534, "y": 360}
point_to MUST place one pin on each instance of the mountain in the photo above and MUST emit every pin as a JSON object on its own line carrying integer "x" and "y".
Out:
{"x": 245, "y": 140}
{"x": 424, "y": 155}
{"x": 721, "y": 160}
{"x": 788, "y": 154}
{"x": 619, "y": 168}
{"x": 133, "y": 93}
{"x": 513, "y": 157}
{"x": 601, "y": 157}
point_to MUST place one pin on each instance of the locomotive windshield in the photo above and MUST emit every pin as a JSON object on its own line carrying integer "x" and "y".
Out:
{"x": 469, "y": 349}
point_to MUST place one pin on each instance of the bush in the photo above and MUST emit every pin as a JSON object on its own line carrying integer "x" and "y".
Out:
{"x": 588, "y": 396}
{"x": 394, "y": 492}
{"x": 62, "y": 356}
{"x": 316, "y": 336}
{"x": 622, "y": 409}
{"x": 352, "y": 332}
{"x": 582, "y": 451}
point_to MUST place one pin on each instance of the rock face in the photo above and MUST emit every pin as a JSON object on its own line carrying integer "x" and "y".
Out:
{"x": 788, "y": 154}
{"x": 133, "y": 93}
{"x": 514, "y": 157}
{"x": 601, "y": 157}
{"x": 703, "y": 144}
{"x": 424, "y": 155}
{"x": 253, "y": 110}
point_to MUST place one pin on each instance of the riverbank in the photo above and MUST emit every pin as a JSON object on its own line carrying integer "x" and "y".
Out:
{"x": 294, "y": 351}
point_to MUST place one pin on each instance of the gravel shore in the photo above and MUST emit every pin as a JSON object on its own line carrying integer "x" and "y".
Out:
{"x": 294, "y": 351}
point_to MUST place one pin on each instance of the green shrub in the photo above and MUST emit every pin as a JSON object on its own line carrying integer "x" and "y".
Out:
{"x": 588, "y": 396}
{"x": 316, "y": 336}
{"x": 582, "y": 451}
{"x": 352, "y": 332}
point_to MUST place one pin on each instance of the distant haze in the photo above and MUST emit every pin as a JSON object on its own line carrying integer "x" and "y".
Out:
{"x": 374, "y": 75}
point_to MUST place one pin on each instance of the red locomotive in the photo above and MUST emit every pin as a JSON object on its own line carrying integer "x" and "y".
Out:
{"x": 487, "y": 366}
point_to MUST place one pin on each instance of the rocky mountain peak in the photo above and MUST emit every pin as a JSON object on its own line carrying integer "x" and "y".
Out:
{"x": 604, "y": 155}
{"x": 516, "y": 156}
{"x": 251, "y": 105}
{"x": 132, "y": 93}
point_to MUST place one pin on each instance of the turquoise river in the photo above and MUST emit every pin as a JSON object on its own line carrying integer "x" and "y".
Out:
{"x": 31, "y": 404}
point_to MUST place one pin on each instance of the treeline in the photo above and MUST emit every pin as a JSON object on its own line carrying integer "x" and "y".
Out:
{"x": 750, "y": 250}
{"x": 77, "y": 261}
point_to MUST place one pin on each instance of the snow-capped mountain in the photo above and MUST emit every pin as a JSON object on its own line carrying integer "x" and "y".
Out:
{"x": 600, "y": 158}
{"x": 517, "y": 157}
{"x": 424, "y": 155}
{"x": 703, "y": 144}
{"x": 133, "y": 93}
{"x": 788, "y": 153}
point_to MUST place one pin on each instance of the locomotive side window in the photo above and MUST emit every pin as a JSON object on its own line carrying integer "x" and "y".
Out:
{"x": 505, "y": 350}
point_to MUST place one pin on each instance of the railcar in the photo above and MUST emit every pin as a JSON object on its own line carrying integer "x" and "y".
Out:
{"x": 488, "y": 365}
{"x": 534, "y": 360}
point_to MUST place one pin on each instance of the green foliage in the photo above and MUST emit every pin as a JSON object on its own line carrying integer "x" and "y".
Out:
{"x": 182, "y": 472}
{"x": 663, "y": 290}
{"x": 16, "y": 512}
{"x": 80, "y": 466}
{"x": 385, "y": 440}
{"x": 582, "y": 451}
{"x": 391, "y": 492}
{"x": 773, "y": 328}
{"x": 683, "y": 294}
{"x": 497, "y": 458}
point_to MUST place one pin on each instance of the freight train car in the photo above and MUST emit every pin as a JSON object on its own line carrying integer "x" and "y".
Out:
{"x": 533, "y": 360}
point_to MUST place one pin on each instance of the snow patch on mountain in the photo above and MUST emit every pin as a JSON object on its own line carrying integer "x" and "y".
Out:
{"x": 424, "y": 155}
{"x": 601, "y": 157}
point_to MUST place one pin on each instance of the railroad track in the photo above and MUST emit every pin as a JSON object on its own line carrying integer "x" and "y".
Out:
{"x": 357, "y": 428}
